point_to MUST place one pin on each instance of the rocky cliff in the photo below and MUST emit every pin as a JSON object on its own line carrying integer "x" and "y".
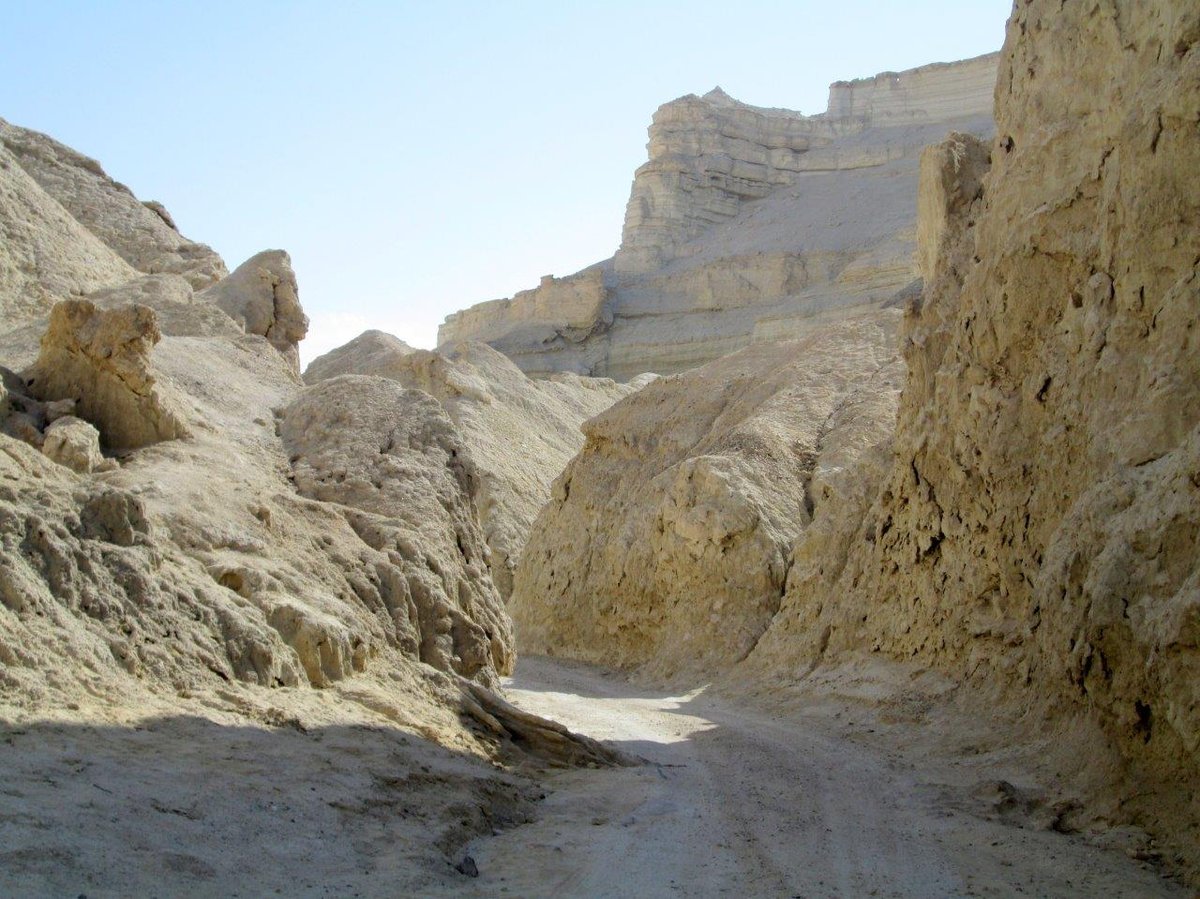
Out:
{"x": 1032, "y": 532}
{"x": 666, "y": 542}
{"x": 746, "y": 224}
{"x": 1037, "y": 534}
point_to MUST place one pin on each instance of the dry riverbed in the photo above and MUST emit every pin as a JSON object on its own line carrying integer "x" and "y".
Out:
{"x": 735, "y": 800}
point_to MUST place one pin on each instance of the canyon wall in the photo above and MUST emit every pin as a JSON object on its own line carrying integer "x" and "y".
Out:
{"x": 1039, "y": 531}
{"x": 745, "y": 225}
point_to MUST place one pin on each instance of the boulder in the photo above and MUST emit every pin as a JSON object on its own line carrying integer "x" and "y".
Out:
{"x": 261, "y": 295}
{"x": 74, "y": 443}
{"x": 101, "y": 359}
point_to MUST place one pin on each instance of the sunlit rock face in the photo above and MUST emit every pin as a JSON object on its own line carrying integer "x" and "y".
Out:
{"x": 745, "y": 225}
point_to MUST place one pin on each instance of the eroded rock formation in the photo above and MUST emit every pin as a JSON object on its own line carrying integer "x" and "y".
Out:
{"x": 393, "y": 457}
{"x": 746, "y": 225}
{"x": 261, "y": 295}
{"x": 143, "y": 234}
{"x": 666, "y": 542}
{"x": 1032, "y": 532}
{"x": 521, "y": 432}
{"x": 206, "y": 556}
{"x": 370, "y": 353}
{"x": 100, "y": 359}
{"x": 45, "y": 254}
{"x": 1037, "y": 532}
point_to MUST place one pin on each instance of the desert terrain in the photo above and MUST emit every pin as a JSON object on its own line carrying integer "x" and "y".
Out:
{"x": 837, "y": 536}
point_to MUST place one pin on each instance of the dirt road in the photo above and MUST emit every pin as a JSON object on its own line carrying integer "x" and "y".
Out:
{"x": 736, "y": 802}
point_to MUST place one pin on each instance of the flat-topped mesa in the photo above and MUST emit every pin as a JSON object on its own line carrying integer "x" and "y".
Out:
{"x": 748, "y": 224}
{"x": 709, "y": 154}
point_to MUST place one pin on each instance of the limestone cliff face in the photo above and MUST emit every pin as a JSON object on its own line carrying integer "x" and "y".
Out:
{"x": 561, "y": 319}
{"x": 747, "y": 224}
{"x": 710, "y": 154}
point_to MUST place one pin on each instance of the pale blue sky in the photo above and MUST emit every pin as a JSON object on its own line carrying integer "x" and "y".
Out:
{"x": 415, "y": 158}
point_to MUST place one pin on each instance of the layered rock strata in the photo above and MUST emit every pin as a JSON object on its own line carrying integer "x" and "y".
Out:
{"x": 747, "y": 225}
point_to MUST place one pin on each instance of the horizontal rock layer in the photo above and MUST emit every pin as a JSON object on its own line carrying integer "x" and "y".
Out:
{"x": 746, "y": 224}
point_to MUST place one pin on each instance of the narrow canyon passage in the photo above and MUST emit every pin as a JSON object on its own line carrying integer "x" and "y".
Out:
{"x": 735, "y": 801}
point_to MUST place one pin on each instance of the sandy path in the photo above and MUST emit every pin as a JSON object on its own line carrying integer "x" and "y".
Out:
{"x": 736, "y": 802}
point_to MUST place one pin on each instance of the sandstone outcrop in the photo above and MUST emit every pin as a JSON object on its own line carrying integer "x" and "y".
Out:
{"x": 261, "y": 295}
{"x": 747, "y": 225}
{"x": 666, "y": 543}
{"x": 101, "y": 360}
{"x": 143, "y": 234}
{"x": 521, "y": 432}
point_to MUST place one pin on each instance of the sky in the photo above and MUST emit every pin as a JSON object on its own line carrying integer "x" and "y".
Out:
{"x": 416, "y": 158}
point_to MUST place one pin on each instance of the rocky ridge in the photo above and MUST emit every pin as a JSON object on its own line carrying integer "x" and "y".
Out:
{"x": 746, "y": 225}
{"x": 143, "y": 234}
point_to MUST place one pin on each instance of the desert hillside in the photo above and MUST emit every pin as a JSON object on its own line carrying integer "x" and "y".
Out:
{"x": 197, "y": 547}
